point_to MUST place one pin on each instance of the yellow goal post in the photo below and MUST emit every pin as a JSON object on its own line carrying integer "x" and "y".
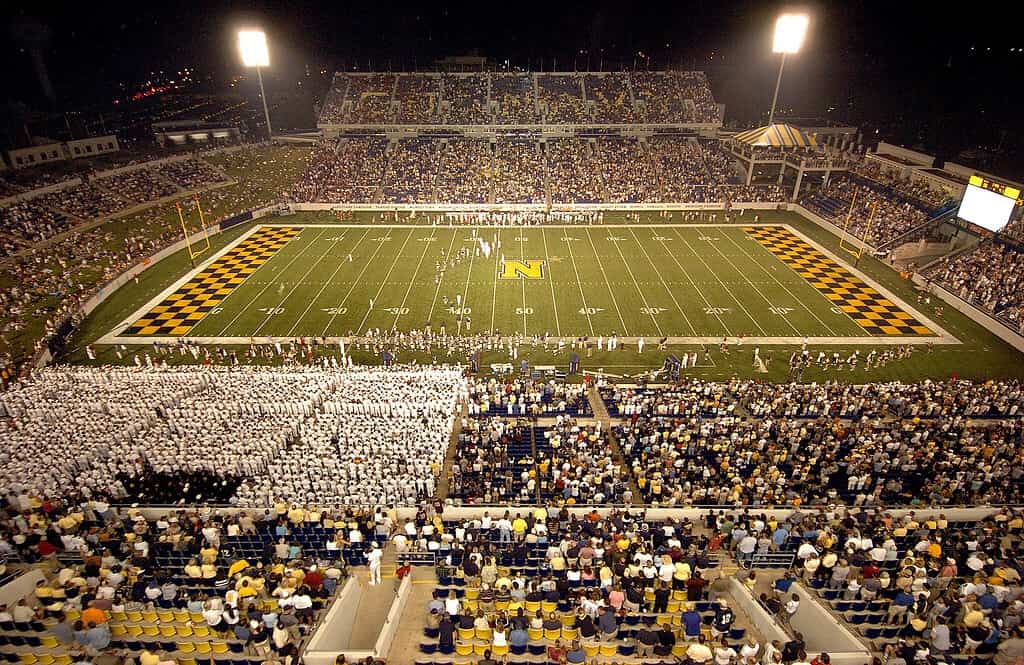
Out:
{"x": 856, "y": 252}
{"x": 200, "y": 248}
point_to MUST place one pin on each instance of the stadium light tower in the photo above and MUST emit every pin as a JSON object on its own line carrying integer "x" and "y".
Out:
{"x": 790, "y": 30}
{"x": 252, "y": 45}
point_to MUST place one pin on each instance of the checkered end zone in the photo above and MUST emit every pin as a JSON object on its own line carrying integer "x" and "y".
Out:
{"x": 186, "y": 307}
{"x": 870, "y": 309}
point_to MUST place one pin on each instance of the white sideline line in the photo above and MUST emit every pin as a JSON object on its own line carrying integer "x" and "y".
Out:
{"x": 426, "y": 245}
{"x": 325, "y": 285}
{"x": 465, "y": 292}
{"x": 643, "y": 298}
{"x": 662, "y": 280}
{"x": 313, "y": 266}
{"x": 384, "y": 281}
{"x": 437, "y": 289}
{"x": 259, "y": 294}
{"x": 747, "y": 280}
{"x": 551, "y": 282}
{"x": 352, "y": 288}
{"x": 586, "y": 309}
{"x": 720, "y": 282}
{"x": 780, "y": 283}
{"x": 600, "y": 265}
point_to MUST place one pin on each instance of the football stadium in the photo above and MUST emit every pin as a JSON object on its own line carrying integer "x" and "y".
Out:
{"x": 476, "y": 359}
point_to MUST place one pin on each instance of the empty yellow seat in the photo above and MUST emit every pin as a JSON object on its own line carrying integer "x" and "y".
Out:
{"x": 203, "y": 647}
{"x": 607, "y": 649}
{"x": 49, "y": 641}
{"x": 472, "y": 593}
{"x": 149, "y": 616}
{"x": 499, "y": 650}
{"x": 219, "y": 647}
{"x": 569, "y": 633}
{"x": 117, "y": 630}
{"x": 186, "y": 661}
{"x": 535, "y": 634}
{"x": 134, "y": 631}
{"x": 483, "y": 634}
{"x": 532, "y": 606}
{"x": 464, "y": 648}
{"x": 118, "y": 616}
{"x": 151, "y": 630}
{"x": 184, "y": 630}
{"x": 466, "y": 634}
{"x": 591, "y": 650}
{"x": 673, "y": 606}
{"x": 134, "y": 616}
{"x": 663, "y": 620}
{"x": 44, "y": 659}
{"x": 480, "y": 649}
{"x": 201, "y": 630}
{"x": 552, "y": 634}
{"x": 28, "y": 658}
{"x": 182, "y": 616}
{"x": 165, "y": 616}
{"x": 168, "y": 630}
{"x": 196, "y": 617}
{"x": 187, "y": 647}
{"x": 548, "y": 607}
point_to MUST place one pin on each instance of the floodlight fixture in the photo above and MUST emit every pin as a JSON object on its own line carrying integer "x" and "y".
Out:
{"x": 790, "y": 30}
{"x": 252, "y": 45}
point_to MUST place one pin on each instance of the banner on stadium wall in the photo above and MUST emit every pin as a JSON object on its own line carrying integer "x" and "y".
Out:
{"x": 236, "y": 220}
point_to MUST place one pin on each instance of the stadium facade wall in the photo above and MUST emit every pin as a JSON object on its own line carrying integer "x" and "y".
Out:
{"x": 906, "y": 154}
{"x": 37, "y": 155}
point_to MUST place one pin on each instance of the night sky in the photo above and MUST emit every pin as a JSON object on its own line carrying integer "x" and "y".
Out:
{"x": 906, "y": 69}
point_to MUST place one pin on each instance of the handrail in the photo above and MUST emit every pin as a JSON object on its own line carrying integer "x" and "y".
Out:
{"x": 904, "y": 237}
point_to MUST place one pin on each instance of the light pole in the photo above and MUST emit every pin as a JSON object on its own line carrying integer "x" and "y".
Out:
{"x": 252, "y": 45}
{"x": 790, "y": 30}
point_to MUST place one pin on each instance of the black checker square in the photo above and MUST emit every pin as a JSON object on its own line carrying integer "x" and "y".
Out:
{"x": 180, "y": 311}
{"x": 872, "y": 311}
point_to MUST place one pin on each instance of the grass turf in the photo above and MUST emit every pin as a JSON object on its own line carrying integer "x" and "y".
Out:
{"x": 701, "y": 287}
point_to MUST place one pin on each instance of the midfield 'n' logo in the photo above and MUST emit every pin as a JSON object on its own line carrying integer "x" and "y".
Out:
{"x": 529, "y": 269}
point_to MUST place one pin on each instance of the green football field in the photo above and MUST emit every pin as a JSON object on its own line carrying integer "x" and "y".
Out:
{"x": 688, "y": 283}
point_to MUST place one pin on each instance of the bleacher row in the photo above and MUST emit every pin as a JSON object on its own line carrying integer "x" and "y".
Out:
{"x": 520, "y": 98}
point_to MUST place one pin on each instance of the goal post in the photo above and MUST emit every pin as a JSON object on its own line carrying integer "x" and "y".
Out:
{"x": 856, "y": 252}
{"x": 198, "y": 249}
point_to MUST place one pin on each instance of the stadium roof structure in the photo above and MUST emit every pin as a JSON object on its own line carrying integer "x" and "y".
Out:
{"x": 776, "y": 136}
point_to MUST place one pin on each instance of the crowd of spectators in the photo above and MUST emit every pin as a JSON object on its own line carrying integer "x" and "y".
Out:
{"x": 370, "y": 98}
{"x": 515, "y": 98}
{"x": 573, "y": 171}
{"x": 467, "y": 98}
{"x": 626, "y": 171}
{"x": 920, "y": 190}
{"x": 890, "y": 215}
{"x": 561, "y": 99}
{"x": 989, "y": 277}
{"x": 313, "y": 436}
{"x": 519, "y": 172}
{"x": 418, "y": 96}
{"x": 610, "y": 96}
{"x": 137, "y": 185}
{"x": 690, "y": 445}
{"x": 670, "y": 97}
{"x": 27, "y": 221}
{"x": 465, "y": 171}
{"x": 410, "y": 171}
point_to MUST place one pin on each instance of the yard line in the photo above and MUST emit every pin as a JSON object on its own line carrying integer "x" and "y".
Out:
{"x": 494, "y": 277}
{"x": 662, "y": 279}
{"x": 747, "y": 279}
{"x": 551, "y": 282}
{"x": 695, "y": 288}
{"x": 412, "y": 280}
{"x": 647, "y": 306}
{"x": 355, "y": 283}
{"x": 465, "y": 293}
{"x": 326, "y": 284}
{"x": 625, "y": 330}
{"x": 269, "y": 284}
{"x": 384, "y": 281}
{"x": 727, "y": 289}
{"x": 786, "y": 288}
{"x": 522, "y": 257}
{"x": 586, "y": 309}
{"x": 312, "y": 266}
{"x": 437, "y": 289}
